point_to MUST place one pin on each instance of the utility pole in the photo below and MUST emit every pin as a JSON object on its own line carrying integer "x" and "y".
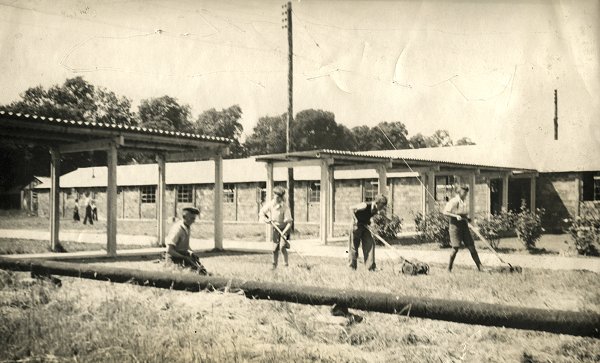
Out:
{"x": 555, "y": 114}
{"x": 290, "y": 114}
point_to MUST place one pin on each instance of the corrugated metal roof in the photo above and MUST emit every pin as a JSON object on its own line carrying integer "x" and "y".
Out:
{"x": 109, "y": 126}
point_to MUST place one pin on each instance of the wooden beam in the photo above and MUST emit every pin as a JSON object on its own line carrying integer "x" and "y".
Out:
{"x": 532, "y": 194}
{"x": 431, "y": 188}
{"x": 324, "y": 202}
{"x": 111, "y": 201}
{"x": 472, "y": 196}
{"x": 363, "y": 166}
{"x": 505, "y": 192}
{"x": 270, "y": 184}
{"x": 191, "y": 155}
{"x": 330, "y": 200}
{"x": 161, "y": 224}
{"x": 296, "y": 163}
{"x": 423, "y": 178}
{"x": 382, "y": 175}
{"x": 459, "y": 172}
{"x": 102, "y": 144}
{"x": 54, "y": 199}
{"x": 218, "y": 202}
{"x": 524, "y": 175}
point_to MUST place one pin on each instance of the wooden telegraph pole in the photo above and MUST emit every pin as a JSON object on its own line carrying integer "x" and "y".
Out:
{"x": 555, "y": 114}
{"x": 290, "y": 114}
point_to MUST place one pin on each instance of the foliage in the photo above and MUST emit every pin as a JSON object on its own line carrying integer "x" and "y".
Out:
{"x": 528, "y": 226}
{"x": 433, "y": 227}
{"x": 493, "y": 227}
{"x": 224, "y": 123}
{"x": 268, "y": 136}
{"x": 317, "y": 129}
{"x": 439, "y": 138}
{"x": 376, "y": 138}
{"x": 387, "y": 228}
{"x": 164, "y": 113}
{"x": 464, "y": 141}
{"x": 585, "y": 231}
{"x": 417, "y": 141}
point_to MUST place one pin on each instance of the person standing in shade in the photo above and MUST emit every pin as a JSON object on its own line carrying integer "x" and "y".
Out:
{"x": 94, "y": 210}
{"x": 178, "y": 243}
{"x": 88, "y": 209}
{"x": 277, "y": 213}
{"x": 457, "y": 211}
{"x": 76, "y": 217}
{"x": 361, "y": 219}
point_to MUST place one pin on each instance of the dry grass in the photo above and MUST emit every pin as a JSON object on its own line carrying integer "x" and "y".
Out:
{"x": 100, "y": 322}
{"x": 11, "y": 246}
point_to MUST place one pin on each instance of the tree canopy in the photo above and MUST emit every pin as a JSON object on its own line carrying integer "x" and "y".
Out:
{"x": 164, "y": 113}
{"x": 224, "y": 123}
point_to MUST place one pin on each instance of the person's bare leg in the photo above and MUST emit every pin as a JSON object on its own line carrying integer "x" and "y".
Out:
{"x": 452, "y": 257}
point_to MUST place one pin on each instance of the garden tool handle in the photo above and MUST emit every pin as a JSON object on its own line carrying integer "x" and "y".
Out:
{"x": 489, "y": 245}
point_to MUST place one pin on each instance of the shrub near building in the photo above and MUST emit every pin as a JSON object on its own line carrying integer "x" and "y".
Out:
{"x": 433, "y": 227}
{"x": 585, "y": 232}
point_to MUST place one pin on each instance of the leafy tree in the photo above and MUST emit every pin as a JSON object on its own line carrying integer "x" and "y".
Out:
{"x": 439, "y": 138}
{"x": 317, "y": 129}
{"x": 75, "y": 99}
{"x": 164, "y": 113}
{"x": 418, "y": 141}
{"x": 464, "y": 141}
{"x": 394, "y": 131}
{"x": 363, "y": 138}
{"x": 224, "y": 123}
{"x": 268, "y": 136}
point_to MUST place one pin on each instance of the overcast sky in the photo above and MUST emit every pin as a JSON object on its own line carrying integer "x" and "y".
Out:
{"x": 482, "y": 69}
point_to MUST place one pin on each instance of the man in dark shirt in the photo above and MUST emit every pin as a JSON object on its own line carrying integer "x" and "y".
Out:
{"x": 361, "y": 218}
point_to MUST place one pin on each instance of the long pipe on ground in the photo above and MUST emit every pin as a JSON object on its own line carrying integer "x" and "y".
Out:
{"x": 555, "y": 321}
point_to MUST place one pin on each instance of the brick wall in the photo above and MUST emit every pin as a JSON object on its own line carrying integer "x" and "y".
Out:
{"x": 558, "y": 194}
{"x": 347, "y": 193}
{"x": 406, "y": 200}
{"x": 247, "y": 202}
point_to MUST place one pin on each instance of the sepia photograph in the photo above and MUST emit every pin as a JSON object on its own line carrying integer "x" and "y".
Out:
{"x": 300, "y": 181}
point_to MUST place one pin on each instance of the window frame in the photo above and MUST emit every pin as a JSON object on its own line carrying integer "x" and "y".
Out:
{"x": 148, "y": 194}
{"x": 229, "y": 193}
{"x": 370, "y": 193}
{"x": 185, "y": 193}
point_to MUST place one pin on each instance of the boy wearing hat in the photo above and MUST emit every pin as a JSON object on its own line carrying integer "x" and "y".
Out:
{"x": 457, "y": 211}
{"x": 178, "y": 243}
{"x": 361, "y": 218}
{"x": 277, "y": 213}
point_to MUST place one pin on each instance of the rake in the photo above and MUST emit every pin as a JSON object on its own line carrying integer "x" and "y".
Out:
{"x": 511, "y": 268}
{"x": 306, "y": 264}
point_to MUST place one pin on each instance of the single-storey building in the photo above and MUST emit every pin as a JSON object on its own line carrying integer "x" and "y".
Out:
{"x": 565, "y": 184}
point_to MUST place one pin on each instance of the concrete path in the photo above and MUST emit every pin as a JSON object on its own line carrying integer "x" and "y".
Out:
{"x": 309, "y": 248}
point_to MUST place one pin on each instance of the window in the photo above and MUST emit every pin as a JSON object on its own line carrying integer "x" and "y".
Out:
{"x": 444, "y": 188}
{"x": 148, "y": 194}
{"x": 370, "y": 190}
{"x": 261, "y": 193}
{"x": 591, "y": 186}
{"x": 228, "y": 193}
{"x": 314, "y": 192}
{"x": 184, "y": 193}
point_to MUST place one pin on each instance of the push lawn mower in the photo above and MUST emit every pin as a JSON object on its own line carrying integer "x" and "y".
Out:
{"x": 408, "y": 267}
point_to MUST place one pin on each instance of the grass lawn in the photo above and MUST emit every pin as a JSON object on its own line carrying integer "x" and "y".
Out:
{"x": 11, "y": 246}
{"x": 548, "y": 244}
{"x": 96, "y": 321}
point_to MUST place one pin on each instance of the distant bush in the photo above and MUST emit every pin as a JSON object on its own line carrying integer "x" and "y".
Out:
{"x": 387, "y": 228}
{"x": 528, "y": 226}
{"x": 585, "y": 232}
{"x": 433, "y": 227}
{"x": 496, "y": 226}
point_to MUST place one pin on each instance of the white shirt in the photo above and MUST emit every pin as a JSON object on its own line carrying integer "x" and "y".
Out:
{"x": 457, "y": 206}
{"x": 277, "y": 212}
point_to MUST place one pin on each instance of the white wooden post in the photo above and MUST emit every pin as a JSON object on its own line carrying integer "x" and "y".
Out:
{"x": 161, "y": 224}
{"x": 423, "y": 178}
{"x": 218, "y": 202}
{"x": 111, "y": 201}
{"x": 330, "y": 200}
{"x": 268, "y": 196}
{"x": 431, "y": 189}
{"x": 382, "y": 174}
{"x": 54, "y": 199}
{"x": 472, "y": 196}
{"x": 324, "y": 202}
{"x": 505, "y": 192}
{"x": 532, "y": 193}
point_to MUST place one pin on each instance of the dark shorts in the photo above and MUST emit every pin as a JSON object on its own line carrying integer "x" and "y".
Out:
{"x": 277, "y": 237}
{"x": 459, "y": 233}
